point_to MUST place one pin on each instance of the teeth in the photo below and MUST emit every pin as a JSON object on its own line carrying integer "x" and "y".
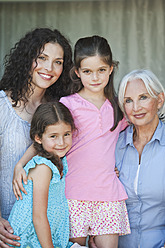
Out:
{"x": 45, "y": 76}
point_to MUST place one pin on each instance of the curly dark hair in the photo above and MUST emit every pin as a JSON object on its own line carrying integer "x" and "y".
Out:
{"x": 92, "y": 46}
{"x": 49, "y": 114}
{"x": 18, "y": 63}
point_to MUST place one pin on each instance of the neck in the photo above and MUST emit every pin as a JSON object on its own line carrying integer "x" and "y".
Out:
{"x": 97, "y": 98}
{"x": 36, "y": 98}
{"x": 143, "y": 134}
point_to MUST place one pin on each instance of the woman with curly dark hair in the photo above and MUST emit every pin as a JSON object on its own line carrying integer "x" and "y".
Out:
{"x": 36, "y": 71}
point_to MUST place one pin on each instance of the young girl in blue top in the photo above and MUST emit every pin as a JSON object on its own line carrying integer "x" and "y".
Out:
{"x": 41, "y": 219}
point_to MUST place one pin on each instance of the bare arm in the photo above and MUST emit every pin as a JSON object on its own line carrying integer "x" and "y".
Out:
{"x": 20, "y": 174}
{"x": 41, "y": 177}
{"x": 6, "y": 234}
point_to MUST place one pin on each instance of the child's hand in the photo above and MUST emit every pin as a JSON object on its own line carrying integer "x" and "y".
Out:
{"x": 91, "y": 242}
{"x": 19, "y": 176}
{"x": 117, "y": 172}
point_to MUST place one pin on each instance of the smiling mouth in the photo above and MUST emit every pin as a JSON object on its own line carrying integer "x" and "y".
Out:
{"x": 62, "y": 149}
{"x": 96, "y": 84}
{"x": 139, "y": 116}
{"x": 45, "y": 76}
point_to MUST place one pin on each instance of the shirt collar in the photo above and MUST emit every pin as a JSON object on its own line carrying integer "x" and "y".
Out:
{"x": 158, "y": 135}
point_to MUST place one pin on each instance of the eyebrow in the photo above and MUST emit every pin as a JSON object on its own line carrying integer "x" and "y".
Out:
{"x": 48, "y": 56}
{"x": 139, "y": 95}
{"x": 69, "y": 131}
{"x": 87, "y": 68}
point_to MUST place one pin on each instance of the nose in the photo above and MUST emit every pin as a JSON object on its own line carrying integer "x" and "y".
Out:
{"x": 48, "y": 65}
{"x": 94, "y": 76}
{"x": 60, "y": 141}
{"x": 136, "y": 105}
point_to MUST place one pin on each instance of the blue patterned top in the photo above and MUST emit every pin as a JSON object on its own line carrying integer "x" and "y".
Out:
{"x": 57, "y": 212}
{"x": 14, "y": 140}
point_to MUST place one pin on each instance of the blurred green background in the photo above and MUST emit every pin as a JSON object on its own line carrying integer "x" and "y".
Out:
{"x": 135, "y": 29}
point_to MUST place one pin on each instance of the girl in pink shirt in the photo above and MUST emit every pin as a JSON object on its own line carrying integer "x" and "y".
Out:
{"x": 95, "y": 195}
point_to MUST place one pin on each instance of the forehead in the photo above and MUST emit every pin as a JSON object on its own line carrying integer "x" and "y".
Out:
{"x": 53, "y": 49}
{"x": 93, "y": 61}
{"x": 58, "y": 127}
{"x": 135, "y": 86}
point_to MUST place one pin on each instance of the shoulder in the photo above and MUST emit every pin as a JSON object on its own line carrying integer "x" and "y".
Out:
{"x": 72, "y": 101}
{"x": 125, "y": 137}
{"x": 38, "y": 160}
{"x": 160, "y": 133}
{"x": 3, "y": 98}
{"x": 6, "y": 111}
{"x": 67, "y": 98}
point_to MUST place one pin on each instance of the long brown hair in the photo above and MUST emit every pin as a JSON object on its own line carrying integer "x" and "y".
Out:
{"x": 92, "y": 46}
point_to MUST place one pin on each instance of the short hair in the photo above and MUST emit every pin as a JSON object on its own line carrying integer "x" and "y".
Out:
{"x": 151, "y": 82}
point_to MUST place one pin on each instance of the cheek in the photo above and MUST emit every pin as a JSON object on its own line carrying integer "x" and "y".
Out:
{"x": 151, "y": 106}
{"x": 35, "y": 65}
{"x": 69, "y": 142}
{"x": 128, "y": 109}
{"x": 84, "y": 80}
{"x": 58, "y": 68}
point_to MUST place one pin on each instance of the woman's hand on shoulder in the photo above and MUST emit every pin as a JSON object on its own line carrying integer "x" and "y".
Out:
{"x": 19, "y": 176}
{"x": 6, "y": 235}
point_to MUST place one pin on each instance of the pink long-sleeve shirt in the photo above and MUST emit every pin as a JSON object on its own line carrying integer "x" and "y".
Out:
{"x": 91, "y": 160}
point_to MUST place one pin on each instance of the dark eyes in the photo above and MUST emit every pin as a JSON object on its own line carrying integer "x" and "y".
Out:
{"x": 102, "y": 69}
{"x": 86, "y": 71}
{"x": 42, "y": 57}
{"x": 67, "y": 134}
{"x": 53, "y": 136}
{"x": 59, "y": 62}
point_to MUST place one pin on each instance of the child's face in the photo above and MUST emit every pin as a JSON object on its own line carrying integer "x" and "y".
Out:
{"x": 57, "y": 139}
{"x": 94, "y": 74}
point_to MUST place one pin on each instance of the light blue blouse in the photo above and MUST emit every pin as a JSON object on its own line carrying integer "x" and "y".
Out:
{"x": 145, "y": 186}
{"x": 14, "y": 140}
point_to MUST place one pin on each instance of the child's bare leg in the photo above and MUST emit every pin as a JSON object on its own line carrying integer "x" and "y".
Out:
{"x": 80, "y": 241}
{"x": 107, "y": 241}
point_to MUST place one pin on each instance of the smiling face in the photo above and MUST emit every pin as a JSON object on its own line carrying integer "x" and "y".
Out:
{"x": 94, "y": 74}
{"x": 56, "y": 139}
{"x": 49, "y": 66}
{"x": 140, "y": 107}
